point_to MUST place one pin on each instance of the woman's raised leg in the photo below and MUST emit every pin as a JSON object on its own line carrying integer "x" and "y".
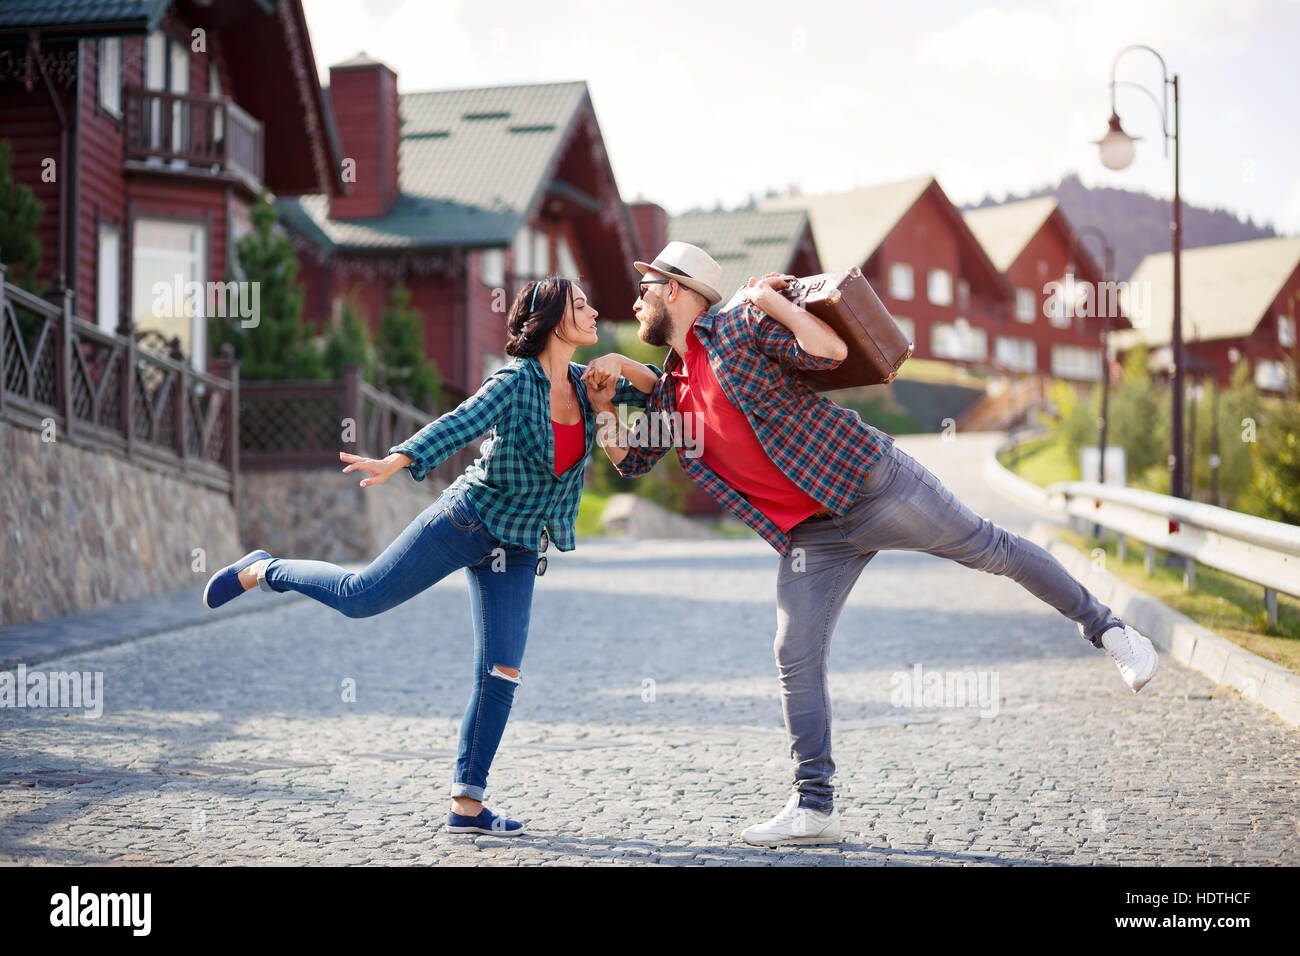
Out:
{"x": 445, "y": 536}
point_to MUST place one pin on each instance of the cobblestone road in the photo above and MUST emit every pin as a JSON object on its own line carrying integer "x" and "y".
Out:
{"x": 231, "y": 742}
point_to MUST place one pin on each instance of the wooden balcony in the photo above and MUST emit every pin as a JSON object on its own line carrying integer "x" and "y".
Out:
{"x": 193, "y": 132}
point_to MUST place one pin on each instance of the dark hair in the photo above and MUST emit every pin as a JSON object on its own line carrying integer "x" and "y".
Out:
{"x": 537, "y": 310}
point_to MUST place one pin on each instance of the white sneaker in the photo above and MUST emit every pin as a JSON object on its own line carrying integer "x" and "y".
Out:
{"x": 795, "y": 824}
{"x": 1133, "y": 655}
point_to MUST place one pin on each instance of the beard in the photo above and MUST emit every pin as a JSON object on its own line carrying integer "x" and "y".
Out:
{"x": 656, "y": 325}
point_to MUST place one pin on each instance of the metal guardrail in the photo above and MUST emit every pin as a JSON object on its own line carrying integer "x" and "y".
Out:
{"x": 1255, "y": 549}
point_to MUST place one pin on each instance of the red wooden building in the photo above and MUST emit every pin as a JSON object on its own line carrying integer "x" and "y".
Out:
{"x": 919, "y": 255}
{"x": 147, "y": 128}
{"x": 463, "y": 195}
{"x": 1061, "y": 297}
{"x": 1240, "y": 303}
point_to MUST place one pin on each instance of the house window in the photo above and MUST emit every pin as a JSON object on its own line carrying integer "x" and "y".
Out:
{"x": 1058, "y": 307}
{"x": 958, "y": 340}
{"x": 939, "y": 287}
{"x": 1074, "y": 361}
{"x": 1286, "y": 331}
{"x": 167, "y": 256}
{"x": 907, "y": 326}
{"x": 1026, "y": 305}
{"x": 239, "y": 228}
{"x": 492, "y": 363}
{"x": 108, "y": 269}
{"x": 900, "y": 280}
{"x": 531, "y": 254}
{"x": 963, "y": 295}
{"x": 110, "y": 76}
{"x": 167, "y": 69}
{"x": 218, "y": 115}
{"x": 1271, "y": 375}
{"x": 492, "y": 268}
{"x": 541, "y": 253}
{"x": 1018, "y": 354}
{"x": 568, "y": 266}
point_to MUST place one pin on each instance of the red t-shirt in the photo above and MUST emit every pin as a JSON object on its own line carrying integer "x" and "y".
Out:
{"x": 570, "y": 444}
{"x": 730, "y": 446}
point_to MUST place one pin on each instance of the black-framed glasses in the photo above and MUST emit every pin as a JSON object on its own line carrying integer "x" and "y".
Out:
{"x": 541, "y": 550}
{"x": 647, "y": 282}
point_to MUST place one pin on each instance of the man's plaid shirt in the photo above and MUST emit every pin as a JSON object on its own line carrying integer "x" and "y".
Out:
{"x": 513, "y": 484}
{"x": 822, "y": 447}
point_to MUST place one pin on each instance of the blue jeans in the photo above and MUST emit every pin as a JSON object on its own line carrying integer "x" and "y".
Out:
{"x": 901, "y": 506}
{"x": 447, "y": 535}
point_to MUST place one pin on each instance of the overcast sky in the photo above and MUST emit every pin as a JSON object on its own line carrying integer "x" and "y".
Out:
{"x": 702, "y": 101}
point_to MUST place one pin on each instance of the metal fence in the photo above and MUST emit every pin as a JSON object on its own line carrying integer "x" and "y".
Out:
{"x": 305, "y": 424}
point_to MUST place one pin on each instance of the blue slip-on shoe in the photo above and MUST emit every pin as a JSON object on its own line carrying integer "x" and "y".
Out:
{"x": 224, "y": 586}
{"x": 486, "y": 822}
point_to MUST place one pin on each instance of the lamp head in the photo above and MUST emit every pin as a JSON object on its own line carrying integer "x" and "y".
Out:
{"x": 1116, "y": 147}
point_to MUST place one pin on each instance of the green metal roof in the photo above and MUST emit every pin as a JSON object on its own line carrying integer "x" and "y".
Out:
{"x": 744, "y": 243}
{"x": 128, "y": 15}
{"x": 470, "y": 165}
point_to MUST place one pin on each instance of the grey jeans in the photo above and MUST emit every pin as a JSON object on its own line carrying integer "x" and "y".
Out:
{"x": 901, "y": 506}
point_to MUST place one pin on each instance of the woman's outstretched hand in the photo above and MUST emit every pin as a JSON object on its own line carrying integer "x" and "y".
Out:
{"x": 380, "y": 469}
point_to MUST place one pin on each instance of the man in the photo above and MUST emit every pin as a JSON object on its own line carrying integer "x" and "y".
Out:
{"x": 825, "y": 489}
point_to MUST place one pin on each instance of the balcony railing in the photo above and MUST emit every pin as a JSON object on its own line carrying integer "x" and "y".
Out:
{"x": 74, "y": 382}
{"x": 194, "y": 131}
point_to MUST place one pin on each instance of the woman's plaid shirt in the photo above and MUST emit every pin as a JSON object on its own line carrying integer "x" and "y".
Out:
{"x": 822, "y": 447}
{"x": 513, "y": 484}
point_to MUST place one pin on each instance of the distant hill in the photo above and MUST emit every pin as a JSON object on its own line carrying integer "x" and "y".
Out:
{"x": 1137, "y": 224}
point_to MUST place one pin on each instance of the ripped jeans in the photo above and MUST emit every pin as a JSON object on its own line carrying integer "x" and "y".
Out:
{"x": 447, "y": 535}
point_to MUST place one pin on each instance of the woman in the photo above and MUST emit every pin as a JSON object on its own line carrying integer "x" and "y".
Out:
{"x": 493, "y": 520}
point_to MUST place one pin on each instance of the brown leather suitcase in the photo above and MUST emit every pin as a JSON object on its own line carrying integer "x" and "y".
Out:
{"x": 846, "y": 302}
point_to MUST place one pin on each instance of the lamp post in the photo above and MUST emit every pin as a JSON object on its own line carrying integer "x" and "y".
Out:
{"x": 1107, "y": 275}
{"x": 1116, "y": 149}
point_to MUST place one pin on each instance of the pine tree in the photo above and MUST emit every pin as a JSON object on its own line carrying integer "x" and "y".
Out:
{"x": 1275, "y": 491}
{"x": 277, "y": 346}
{"x": 1139, "y": 422}
{"x": 20, "y": 246}
{"x": 349, "y": 344}
{"x": 409, "y": 374}
{"x": 20, "y": 214}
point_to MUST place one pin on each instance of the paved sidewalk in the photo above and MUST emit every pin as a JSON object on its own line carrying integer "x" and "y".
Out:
{"x": 648, "y": 729}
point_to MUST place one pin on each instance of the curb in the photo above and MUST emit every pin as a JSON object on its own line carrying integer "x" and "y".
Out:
{"x": 121, "y": 622}
{"x": 1260, "y": 681}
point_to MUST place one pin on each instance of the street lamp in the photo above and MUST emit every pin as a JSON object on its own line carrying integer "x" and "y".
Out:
{"x": 1107, "y": 275}
{"x": 1116, "y": 149}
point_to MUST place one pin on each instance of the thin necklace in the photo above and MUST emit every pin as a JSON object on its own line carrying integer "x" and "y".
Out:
{"x": 568, "y": 402}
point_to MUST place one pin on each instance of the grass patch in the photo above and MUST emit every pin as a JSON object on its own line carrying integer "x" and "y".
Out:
{"x": 886, "y": 416}
{"x": 590, "y": 510}
{"x": 1226, "y": 605}
{"x": 940, "y": 373}
{"x": 1042, "y": 461}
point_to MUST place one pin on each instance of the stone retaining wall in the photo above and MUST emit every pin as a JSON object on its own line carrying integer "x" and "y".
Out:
{"x": 324, "y": 515}
{"x": 79, "y": 528}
